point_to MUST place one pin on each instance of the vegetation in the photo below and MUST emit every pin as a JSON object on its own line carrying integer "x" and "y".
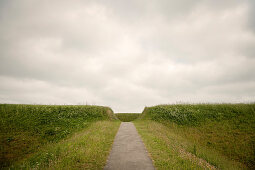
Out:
{"x": 221, "y": 134}
{"x": 127, "y": 117}
{"x": 164, "y": 146}
{"x": 202, "y": 136}
{"x": 25, "y": 129}
{"x": 87, "y": 149}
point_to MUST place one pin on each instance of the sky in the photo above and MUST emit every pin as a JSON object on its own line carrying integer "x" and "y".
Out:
{"x": 127, "y": 54}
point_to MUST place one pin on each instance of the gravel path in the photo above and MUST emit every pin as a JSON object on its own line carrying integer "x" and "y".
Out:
{"x": 128, "y": 152}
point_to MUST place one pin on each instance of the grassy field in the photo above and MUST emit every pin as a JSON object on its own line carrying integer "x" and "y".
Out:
{"x": 27, "y": 129}
{"x": 222, "y": 135}
{"x": 127, "y": 117}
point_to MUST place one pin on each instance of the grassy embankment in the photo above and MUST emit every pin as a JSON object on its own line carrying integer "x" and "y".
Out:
{"x": 40, "y": 136}
{"x": 127, "y": 117}
{"x": 220, "y": 136}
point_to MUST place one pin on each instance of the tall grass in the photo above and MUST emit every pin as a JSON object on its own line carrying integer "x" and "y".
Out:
{"x": 196, "y": 114}
{"x": 25, "y": 128}
{"x": 127, "y": 117}
{"x": 226, "y": 128}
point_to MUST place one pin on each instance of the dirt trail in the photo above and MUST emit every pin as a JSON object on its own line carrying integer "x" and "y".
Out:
{"x": 128, "y": 152}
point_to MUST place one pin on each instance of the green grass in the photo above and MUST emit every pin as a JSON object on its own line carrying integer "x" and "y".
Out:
{"x": 221, "y": 134}
{"x": 87, "y": 149}
{"x": 170, "y": 149}
{"x": 127, "y": 117}
{"x": 163, "y": 146}
{"x": 25, "y": 129}
{"x": 202, "y": 136}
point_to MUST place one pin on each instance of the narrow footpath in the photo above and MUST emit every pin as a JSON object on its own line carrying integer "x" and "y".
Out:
{"x": 128, "y": 152}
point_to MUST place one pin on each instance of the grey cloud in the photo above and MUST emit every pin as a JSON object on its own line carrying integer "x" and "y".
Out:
{"x": 126, "y": 54}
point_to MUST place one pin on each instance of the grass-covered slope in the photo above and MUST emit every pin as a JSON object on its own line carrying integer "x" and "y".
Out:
{"x": 86, "y": 149}
{"x": 218, "y": 133}
{"x": 127, "y": 117}
{"x": 25, "y": 128}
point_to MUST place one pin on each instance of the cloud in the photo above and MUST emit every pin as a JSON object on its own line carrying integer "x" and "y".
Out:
{"x": 126, "y": 54}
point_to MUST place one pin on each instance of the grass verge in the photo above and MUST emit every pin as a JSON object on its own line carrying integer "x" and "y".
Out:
{"x": 87, "y": 149}
{"x": 127, "y": 117}
{"x": 163, "y": 149}
{"x": 24, "y": 129}
{"x": 170, "y": 149}
{"x": 221, "y": 134}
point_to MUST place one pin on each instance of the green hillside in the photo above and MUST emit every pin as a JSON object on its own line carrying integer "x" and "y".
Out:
{"x": 25, "y": 129}
{"x": 221, "y": 134}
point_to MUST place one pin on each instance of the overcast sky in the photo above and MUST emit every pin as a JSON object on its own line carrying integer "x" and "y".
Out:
{"x": 127, "y": 54}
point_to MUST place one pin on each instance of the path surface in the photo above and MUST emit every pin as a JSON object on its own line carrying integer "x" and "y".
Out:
{"x": 128, "y": 152}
